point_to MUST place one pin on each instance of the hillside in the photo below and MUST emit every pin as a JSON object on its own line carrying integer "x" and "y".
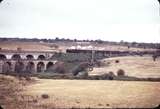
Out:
{"x": 136, "y": 66}
{"x": 63, "y": 45}
{"x": 27, "y": 46}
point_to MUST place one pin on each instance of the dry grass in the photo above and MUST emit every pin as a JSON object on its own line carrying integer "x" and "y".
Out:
{"x": 122, "y": 48}
{"x": 35, "y": 46}
{"x": 27, "y": 46}
{"x": 132, "y": 65}
{"x": 92, "y": 93}
{"x": 19, "y": 94}
{"x": 11, "y": 96}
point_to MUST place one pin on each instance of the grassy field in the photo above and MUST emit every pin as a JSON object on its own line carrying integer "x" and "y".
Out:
{"x": 38, "y": 46}
{"x": 18, "y": 93}
{"x": 133, "y": 66}
{"x": 94, "y": 93}
{"x": 27, "y": 46}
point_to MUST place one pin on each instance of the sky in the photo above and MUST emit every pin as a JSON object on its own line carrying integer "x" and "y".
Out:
{"x": 112, "y": 20}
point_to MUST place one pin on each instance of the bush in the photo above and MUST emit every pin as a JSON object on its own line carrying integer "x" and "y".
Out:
{"x": 116, "y": 61}
{"x": 95, "y": 77}
{"x": 82, "y": 67}
{"x": 83, "y": 75}
{"x": 110, "y": 78}
{"x": 98, "y": 63}
{"x": 28, "y": 78}
{"x": 45, "y": 96}
{"x": 108, "y": 63}
{"x": 59, "y": 67}
{"x": 104, "y": 76}
{"x": 111, "y": 73}
{"x": 107, "y": 76}
{"x": 120, "y": 72}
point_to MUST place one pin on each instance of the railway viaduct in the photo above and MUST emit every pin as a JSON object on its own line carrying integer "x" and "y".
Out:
{"x": 41, "y": 61}
{"x": 25, "y": 61}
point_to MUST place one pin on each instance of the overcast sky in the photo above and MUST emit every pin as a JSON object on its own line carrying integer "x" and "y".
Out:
{"x": 114, "y": 20}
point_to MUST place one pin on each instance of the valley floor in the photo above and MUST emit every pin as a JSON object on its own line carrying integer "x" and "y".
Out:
{"x": 96, "y": 93}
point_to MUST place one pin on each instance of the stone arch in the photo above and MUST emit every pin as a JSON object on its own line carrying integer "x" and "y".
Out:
{"x": 7, "y": 67}
{"x": 41, "y": 57}
{"x": 30, "y": 68}
{"x": 49, "y": 66}
{"x": 40, "y": 67}
{"x": 16, "y": 57}
{"x": 2, "y": 57}
{"x": 29, "y": 57}
{"x": 19, "y": 67}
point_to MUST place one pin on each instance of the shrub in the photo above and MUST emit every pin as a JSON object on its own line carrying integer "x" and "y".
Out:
{"x": 35, "y": 100}
{"x": 104, "y": 76}
{"x": 19, "y": 49}
{"x": 100, "y": 104}
{"x": 111, "y": 73}
{"x": 154, "y": 57}
{"x": 116, "y": 61}
{"x": 98, "y": 63}
{"x": 59, "y": 67}
{"x": 45, "y": 96}
{"x": 108, "y": 63}
{"x": 28, "y": 78}
{"x": 82, "y": 67}
{"x": 107, "y": 104}
{"x": 120, "y": 72}
{"x": 110, "y": 78}
{"x": 107, "y": 76}
{"x": 83, "y": 75}
{"x": 95, "y": 77}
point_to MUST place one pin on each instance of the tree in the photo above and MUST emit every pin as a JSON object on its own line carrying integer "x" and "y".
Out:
{"x": 99, "y": 41}
{"x": 75, "y": 40}
{"x": 56, "y": 39}
{"x": 1, "y": 1}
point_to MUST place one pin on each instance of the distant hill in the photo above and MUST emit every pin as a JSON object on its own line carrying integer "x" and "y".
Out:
{"x": 49, "y": 44}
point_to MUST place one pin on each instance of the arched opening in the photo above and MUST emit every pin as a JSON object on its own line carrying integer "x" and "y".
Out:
{"x": 19, "y": 67}
{"x": 29, "y": 57}
{"x": 30, "y": 68}
{"x": 6, "y": 68}
{"x": 41, "y": 57}
{"x": 16, "y": 57}
{"x": 40, "y": 67}
{"x": 2, "y": 57}
{"x": 49, "y": 66}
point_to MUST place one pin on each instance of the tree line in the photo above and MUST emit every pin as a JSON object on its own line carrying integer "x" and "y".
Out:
{"x": 98, "y": 41}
